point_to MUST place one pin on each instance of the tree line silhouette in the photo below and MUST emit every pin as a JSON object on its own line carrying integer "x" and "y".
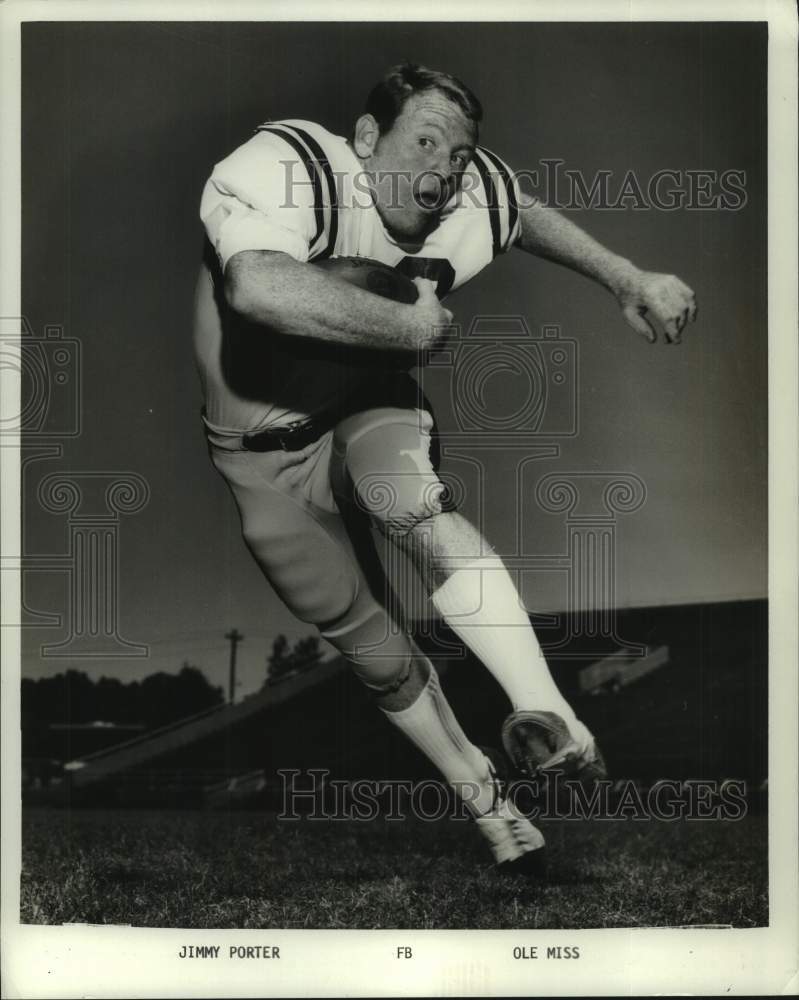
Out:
{"x": 284, "y": 661}
{"x": 73, "y": 698}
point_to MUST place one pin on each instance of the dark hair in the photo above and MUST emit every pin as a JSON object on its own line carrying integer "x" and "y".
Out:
{"x": 387, "y": 99}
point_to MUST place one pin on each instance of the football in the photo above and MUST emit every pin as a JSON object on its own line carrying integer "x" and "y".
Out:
{"x": 371, "y": 276}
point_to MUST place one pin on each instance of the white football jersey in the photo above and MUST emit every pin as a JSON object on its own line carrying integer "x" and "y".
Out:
{"x": 296, "y": 188}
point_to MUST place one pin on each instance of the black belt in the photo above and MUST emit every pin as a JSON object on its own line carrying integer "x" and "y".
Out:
{"x": 299, "y": 434}
{"x": 290, "y": 437}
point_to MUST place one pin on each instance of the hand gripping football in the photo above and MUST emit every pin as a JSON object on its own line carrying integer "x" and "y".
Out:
{"x": 371, "y": 276}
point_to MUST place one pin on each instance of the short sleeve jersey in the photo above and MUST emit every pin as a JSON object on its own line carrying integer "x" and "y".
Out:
{"x": 296, "y": 188}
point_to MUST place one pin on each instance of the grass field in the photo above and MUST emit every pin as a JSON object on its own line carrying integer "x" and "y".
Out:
{"x": 247, "y": 870}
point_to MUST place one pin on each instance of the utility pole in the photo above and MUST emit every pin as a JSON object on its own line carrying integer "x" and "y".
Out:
{"x": 235, "y": 638}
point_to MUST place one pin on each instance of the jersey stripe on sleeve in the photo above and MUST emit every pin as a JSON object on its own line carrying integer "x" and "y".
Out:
{"x": 323, "y": 161}
{"x": 501, "y": 198}
{"x": 513, "y": 206}
{"x": 325, "y": 198}
{"x": 492, "y": 203}
{"x": 307, "y": 161}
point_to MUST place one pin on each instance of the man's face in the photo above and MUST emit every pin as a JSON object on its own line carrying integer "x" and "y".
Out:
{"x": 416, "y": 166}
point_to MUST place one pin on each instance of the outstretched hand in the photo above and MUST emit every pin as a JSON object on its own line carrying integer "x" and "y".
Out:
{"x": 661, "y": 298}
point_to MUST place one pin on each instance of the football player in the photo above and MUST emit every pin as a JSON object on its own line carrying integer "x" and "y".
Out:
{"x": 314, "y": 422}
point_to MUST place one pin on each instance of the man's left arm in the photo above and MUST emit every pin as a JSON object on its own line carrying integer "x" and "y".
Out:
{"x": 643, "y": 296}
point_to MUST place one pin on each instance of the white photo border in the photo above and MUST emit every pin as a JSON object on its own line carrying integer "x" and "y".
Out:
{"x": 112, "y": 961}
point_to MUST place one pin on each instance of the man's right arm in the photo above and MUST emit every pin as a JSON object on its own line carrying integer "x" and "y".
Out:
{"x": 273, "y": 289}
{"x": 262, "y": 234}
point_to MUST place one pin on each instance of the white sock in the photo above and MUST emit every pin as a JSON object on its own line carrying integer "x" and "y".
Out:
{"x": 482, "y": 606}
{"x": 430, "y": 724}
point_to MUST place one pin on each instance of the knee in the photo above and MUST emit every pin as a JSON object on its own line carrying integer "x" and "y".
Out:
{"x": 385, "y": 470}
{"x": 379, "y": 652}
{"x": 400, "y": 505}
{"x": 385, "y": 677}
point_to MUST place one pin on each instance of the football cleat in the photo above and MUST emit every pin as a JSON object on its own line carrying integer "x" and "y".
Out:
{"x": 537, "y": 742}
{"x": 516, "y": 844}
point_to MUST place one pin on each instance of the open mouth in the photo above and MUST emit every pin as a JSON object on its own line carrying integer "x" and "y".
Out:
{"x": 431, "y": 200}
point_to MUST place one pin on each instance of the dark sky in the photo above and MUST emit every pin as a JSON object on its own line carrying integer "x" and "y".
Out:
{"x": 121, "y": 125}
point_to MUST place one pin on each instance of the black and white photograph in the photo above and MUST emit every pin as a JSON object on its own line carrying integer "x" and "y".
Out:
{"x": 398, "y": 439}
